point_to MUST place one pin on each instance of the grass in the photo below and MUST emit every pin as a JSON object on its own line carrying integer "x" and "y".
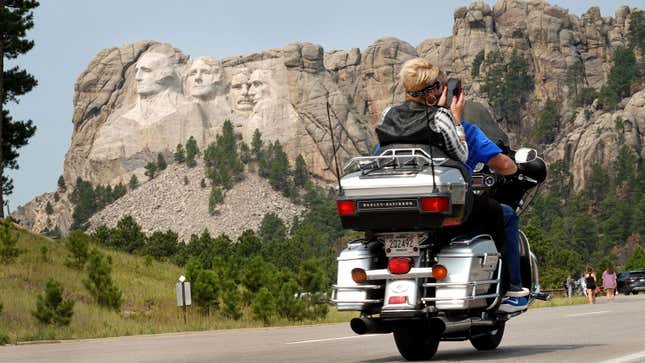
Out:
{"x": 560, "y": 301}
{"x": 148, "y": 298}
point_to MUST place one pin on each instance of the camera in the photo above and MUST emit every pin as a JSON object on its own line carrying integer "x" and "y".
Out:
{"x": 454, "y": 89}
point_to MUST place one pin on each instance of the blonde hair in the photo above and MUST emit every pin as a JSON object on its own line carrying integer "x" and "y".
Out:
{"x": 418, "y": 73}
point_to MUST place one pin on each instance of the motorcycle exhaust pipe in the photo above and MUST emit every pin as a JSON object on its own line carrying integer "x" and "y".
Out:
{"x": 362, "y": 326}
{"x": 454, "y": 326}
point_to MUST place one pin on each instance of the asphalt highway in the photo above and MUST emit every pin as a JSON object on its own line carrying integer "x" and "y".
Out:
{"x": 605, "y": 332}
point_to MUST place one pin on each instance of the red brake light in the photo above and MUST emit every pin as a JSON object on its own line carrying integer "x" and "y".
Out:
{"x": 397, "y": 300}
{"x": 435, "y": 204}
{"x": 346, "y": 207}
{"x": 399, "y": 265}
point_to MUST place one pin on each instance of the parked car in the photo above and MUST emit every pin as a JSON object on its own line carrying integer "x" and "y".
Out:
{"x": 631, "y": 282}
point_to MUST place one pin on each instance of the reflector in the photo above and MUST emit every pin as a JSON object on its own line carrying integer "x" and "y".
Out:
{"x": 449, "y": 222}
{"x": 345, "y": 207}
{"x": 398, "y": 300}
{"x": 399, "y": 265}
{"x": 439, "y": 272}
{"x": 359, "y": 275}
{"x": 435, "y": 204}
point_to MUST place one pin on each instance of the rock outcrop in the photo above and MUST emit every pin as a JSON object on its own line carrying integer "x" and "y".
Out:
{"x": 142, "y": 99}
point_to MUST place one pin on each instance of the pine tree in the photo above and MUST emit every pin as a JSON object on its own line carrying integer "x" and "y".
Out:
{"x": 151, "y": 170}
{"x": 637, "y": 260}
{"x": 134, "y": 182}
{"x": 8, "y": 242}
{"x": 477, "y": 62}
{"x": 272, "y": 228}
{"x": 202, "y": 183}
{"x": 191, "y": 152}
{"x": 16, "y": 17}
{"x": 78, "y": 245}
{"x": 279, "y": 172}
{"x": 300, "y": 173}
{"x": 547, "y": 123}
{"x": 575, "y": 77}
{"x": 161, "y": 162}
{"x": 61, "y": 184}
{"x": 636, "y": 32}
{"x": 263, "y": 306}
{"x": 49, "y": 209}
{"x": 84, "y": 199}
{"x": 180, "y": 154}
{"x": 220, "y": 158}
{"x": 257, "y": 145}
{"x": 99, "y": 281}
{"x": 231, "y": 299}
{"x": 214, "y": 200}
{"x": 619, "y": 81}
{"x": 52, "y": 308}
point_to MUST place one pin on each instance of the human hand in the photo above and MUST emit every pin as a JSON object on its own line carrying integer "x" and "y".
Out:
{"x": 443, "y": 97}
{"x": 457, "y": 106}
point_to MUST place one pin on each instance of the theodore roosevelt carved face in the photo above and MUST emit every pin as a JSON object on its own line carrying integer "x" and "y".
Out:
{"x": 203, "y": 75}
{"x": 240, "y": 87}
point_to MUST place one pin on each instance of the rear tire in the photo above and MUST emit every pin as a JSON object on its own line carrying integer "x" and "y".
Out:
{"x": 490, "y": 340}
{"x": 416, "y": 341}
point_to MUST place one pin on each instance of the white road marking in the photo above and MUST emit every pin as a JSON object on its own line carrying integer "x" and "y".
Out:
{"x": 635, "y": 357}
{"x": 332, "y": 339}
{"x": 592, "y": 313}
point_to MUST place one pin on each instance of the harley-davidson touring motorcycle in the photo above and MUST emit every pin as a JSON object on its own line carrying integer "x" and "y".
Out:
{"x": 411, "y": 275}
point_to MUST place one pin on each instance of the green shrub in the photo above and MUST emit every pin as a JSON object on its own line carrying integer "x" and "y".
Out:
{"x": 263, "y": 307}
{"x": 78, "y": 245}
{"x": 99, "y": 281}
{"x": 8, "y": 239}
{"x": 52, "y": 308}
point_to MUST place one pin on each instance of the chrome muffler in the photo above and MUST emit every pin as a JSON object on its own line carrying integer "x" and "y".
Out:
{"x": 362, "y": 326}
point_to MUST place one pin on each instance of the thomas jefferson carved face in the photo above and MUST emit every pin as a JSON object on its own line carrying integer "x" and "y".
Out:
{"x": 154, "y": 72}
{"x": 203, "y": 74}
{"x": 240, "y": 86}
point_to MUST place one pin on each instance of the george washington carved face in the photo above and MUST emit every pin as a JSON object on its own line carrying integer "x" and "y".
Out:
{"x": 154, "y": 72}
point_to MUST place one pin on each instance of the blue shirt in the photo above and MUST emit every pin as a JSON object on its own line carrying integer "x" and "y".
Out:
{"x": 480, "y": 147}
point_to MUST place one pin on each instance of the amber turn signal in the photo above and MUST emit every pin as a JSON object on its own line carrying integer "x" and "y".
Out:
{"x": 359, "y": 275}
{"x": 439, "y": 272}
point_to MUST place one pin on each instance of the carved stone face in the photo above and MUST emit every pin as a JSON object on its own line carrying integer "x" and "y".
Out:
{"x": 259, "y": 88}
{"x": 152, "y": 73}
{"x": 240, "y": 86}
{"x": 202, "y": 78}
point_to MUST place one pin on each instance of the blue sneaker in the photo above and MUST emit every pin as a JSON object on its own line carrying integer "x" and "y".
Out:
{"x": 513, "y": 304}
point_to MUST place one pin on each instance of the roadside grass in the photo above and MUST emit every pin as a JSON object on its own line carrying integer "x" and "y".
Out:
{"x": 149, "y": 304}
{"x": 560, "y": 301}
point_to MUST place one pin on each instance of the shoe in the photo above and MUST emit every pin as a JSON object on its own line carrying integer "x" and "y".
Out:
{"x": 517, "y": 291}
{"x": 513, "y": 304}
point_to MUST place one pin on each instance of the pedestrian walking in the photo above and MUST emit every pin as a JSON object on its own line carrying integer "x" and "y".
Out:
{"x": 609, "y": 282}
{"x": 582, "y": 286}
{"x": 569, "y": 286}
{"x": 590, "y": 284}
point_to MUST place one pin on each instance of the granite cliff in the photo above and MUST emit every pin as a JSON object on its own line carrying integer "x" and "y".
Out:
{"x": 138, "y": 100}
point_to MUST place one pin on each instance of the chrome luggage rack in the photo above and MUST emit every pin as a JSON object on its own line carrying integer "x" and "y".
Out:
{"x": 336, "y": 289}
{"x": 474, "y": 285}
{"x": 394, "y": 158}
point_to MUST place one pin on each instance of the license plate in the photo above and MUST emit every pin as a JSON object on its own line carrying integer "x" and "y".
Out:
{"x": 402, "y": 244}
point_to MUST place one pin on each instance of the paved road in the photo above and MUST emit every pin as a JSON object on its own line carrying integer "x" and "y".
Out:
{"x": 610, "y": 333}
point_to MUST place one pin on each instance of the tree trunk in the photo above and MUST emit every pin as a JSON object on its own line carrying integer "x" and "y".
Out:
{"x": 2, "y": 9}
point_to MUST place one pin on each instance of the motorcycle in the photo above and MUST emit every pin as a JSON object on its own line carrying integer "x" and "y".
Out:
{"x": 415, "y": 273}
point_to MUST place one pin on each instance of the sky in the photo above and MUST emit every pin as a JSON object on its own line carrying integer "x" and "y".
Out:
{"x": 68, "y": 33}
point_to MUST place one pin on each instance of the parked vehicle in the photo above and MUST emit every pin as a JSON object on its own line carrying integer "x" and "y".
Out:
{"x": 413, "y": 274}
{"x": 631, "y": 282}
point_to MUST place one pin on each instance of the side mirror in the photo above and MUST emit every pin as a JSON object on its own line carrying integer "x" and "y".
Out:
{"x": 524, "y": 155}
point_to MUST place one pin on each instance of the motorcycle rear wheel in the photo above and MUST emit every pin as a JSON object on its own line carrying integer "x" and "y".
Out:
{"x": 416, "y": 341}
{"x": 490, "y": 340}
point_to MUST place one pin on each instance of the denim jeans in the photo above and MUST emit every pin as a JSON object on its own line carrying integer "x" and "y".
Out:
{"x": 512, "y": 228}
